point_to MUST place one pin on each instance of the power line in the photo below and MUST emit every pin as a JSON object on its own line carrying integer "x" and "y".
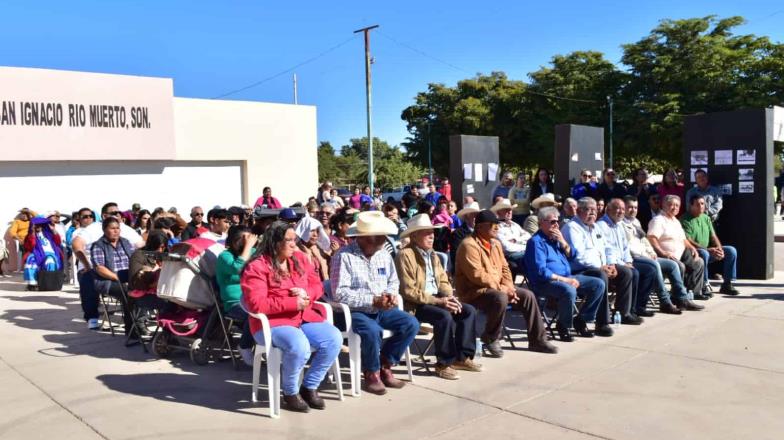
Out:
{"x": 446, "y": 63}
{"x": 290, "y": 69}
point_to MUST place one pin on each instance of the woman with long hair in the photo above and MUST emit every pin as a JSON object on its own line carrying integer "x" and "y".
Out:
{"x": 542, "y": 184}
{"x": 42, "y": 251}
{"x": 280, "y": 282}
{"x": 143, "y": 222}
{"x": 240, "y": 247}
{"x": 671, "y": 186}
{"x": 339, "y": 224}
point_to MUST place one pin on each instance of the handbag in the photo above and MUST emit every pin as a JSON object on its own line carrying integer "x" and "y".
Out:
{"x": 50, "y": 280}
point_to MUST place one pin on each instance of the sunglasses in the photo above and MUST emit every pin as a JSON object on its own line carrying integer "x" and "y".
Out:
{"x": 113, "y": 213}
{"x": 587, "y": 175}
{"x": 197, "y": 214}
{"x": 552, "y": 222}
{"x": 88, "y": 216}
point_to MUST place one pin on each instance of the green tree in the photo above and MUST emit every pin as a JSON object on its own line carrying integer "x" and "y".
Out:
{"x": 327, "y": 162}
{"x": 390, "y": 166}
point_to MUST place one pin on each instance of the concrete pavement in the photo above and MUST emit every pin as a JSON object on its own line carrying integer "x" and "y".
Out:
{"x": 715, "y": 374}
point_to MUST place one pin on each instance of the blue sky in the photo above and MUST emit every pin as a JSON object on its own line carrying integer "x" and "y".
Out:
{"x": 211, "y": 48}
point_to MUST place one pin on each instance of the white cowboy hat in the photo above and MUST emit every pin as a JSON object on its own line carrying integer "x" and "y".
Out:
{"x": 546, "y": 199}
{"x": 502, "y": 204}
{"x": 470, "y": 208}
{"x": 371, "y": 223}
{"x": 418, "y": 222}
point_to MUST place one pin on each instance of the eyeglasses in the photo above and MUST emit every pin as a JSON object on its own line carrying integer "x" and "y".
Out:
{"x": 552, "y": 222}
{"x": 587, "y": 175}
{"x": 113, "y": 213}
{"x": 88, "y": 216}
{"x": 197, "y": 214}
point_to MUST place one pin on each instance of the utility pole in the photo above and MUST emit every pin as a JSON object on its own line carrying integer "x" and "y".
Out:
{"x": 296, "y": 100}
{"x": 610, "y": 103}
{"x": 429, "y": 154}
{"x": 368, "y": 83}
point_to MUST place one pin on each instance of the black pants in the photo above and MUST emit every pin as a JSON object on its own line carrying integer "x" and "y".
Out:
{"x": 454, "y": 334}
{"x": 493, "y": 303}
{"x": 625, "y": 291}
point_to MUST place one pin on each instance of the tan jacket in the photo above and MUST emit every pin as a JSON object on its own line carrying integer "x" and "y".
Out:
{"x": 411, "y": 272}
{"x": 477, "y": 269}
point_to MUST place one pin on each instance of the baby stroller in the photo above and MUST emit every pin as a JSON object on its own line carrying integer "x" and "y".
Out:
{"x": 194, "y": 322}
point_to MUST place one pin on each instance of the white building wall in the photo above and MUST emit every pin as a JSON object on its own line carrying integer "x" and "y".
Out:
{"x": 277, "y": 142}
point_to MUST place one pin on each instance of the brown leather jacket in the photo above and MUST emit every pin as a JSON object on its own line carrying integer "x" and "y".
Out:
{"x": 477, "y": 269}
{"x": 411, "y": 272}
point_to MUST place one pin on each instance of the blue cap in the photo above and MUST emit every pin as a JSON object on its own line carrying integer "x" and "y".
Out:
{"x": 287, "y": 214}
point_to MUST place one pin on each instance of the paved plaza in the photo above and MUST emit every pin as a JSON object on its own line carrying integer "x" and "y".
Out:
{"x": 717, "y": 374}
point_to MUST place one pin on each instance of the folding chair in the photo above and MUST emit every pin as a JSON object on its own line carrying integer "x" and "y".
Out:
{"x": 274, "y": 360}
{"x": 425, "y": 329}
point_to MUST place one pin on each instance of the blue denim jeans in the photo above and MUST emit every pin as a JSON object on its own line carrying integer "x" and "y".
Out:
{"x": 650, "y": 279}
{"x": 591, "y": 289}
{"x": 370, "y": 327}
{"x": 87, "y": 294}
{"x": 296, "y": 344}
{"x": 672, "y": 271}
{"x": 730, "y": 257}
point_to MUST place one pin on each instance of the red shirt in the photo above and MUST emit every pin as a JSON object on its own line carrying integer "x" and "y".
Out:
{"x": 263, "y": 294}
{"x": 272, "y": 202}
{"x": 446, "y": 191}
{"x": 677, "y": 190}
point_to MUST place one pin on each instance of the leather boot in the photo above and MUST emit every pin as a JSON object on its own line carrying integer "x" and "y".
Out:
{"x": 295, "y": 403}
{"x": 312, "y": 398}
{"x": 373, "y": 383}
{"x": 688, "y": 305}
{"x": 388, "y": 377}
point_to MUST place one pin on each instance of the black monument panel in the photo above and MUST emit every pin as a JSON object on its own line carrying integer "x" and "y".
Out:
{"x": 745, "y": 220}
{"x": 472, "y": 150}
{"x": 577, "y": 147}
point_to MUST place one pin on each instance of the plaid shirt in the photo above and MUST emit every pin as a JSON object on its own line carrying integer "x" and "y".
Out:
{"x": 122, "y": 260}
{"x": 355, "y": 279}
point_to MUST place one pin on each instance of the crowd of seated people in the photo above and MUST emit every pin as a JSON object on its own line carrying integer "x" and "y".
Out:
{"x": 422, "y": 260}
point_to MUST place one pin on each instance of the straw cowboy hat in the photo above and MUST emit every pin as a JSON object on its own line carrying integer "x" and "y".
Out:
{"x": 468, "y": 209}
{"x": 371, "y": 223}
{"x": 546, "y": 199}
{"x": 419, "y": 222}
{"x": 502, "y": 204}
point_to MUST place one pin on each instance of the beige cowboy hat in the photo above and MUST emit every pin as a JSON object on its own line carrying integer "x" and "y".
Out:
{"x": 371, "y": 223}
{"x": 546, "y": 199}
{"x": 502, "y": 204}
{"x": 419, "y": 222}
{"x": 468, "y": 209}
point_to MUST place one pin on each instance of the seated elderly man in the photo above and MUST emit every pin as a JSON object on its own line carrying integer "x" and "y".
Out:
{"x": 699, "y": 231}
{"x": 669, "y": 241}
{"x": 426, "y": 291}
{"x": 512, "y": 237}
{"x": 547, "y": 261}
{"x": 643, "y": 254}
{"x": 196, "y": 226}
{"x": 531, "y": 224}
{"x": 619, "y": 253}
{"x": 483, "y": 279}
{"x": 590, "y": 259}
{"x": 569, "y": 210}
{"x": 363, "y": 276}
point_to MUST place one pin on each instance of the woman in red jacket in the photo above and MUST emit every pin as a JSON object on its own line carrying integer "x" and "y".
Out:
{"x": 280, "y": 282}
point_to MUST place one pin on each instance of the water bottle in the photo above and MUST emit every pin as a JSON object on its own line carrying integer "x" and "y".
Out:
{"x": 617, "y": 319}
{"x": 478, "y": 350}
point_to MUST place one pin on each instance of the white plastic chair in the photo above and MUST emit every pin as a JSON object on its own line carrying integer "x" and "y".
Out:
{"x": 274, "y": 357}
{"x": 355, "y": 350}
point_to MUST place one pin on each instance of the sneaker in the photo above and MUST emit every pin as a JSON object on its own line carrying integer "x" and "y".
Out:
{"x": 93, "y": 324}
{"x": 446, "y": 372}
{"x": 467, "y": 364}
{"x": 247, "y": 356}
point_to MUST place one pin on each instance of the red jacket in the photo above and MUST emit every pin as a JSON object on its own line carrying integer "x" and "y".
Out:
{"x": 262, "y": 294}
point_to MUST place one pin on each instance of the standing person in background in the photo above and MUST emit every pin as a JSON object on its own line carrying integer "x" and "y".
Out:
{"x": 586, "y": 188}
{"x": 446, "y": 188}
{"x": 518, "y": 195}
{"x": 378, "y": 198}
{"x": 671, "y": 185}
{"x": 324, "y": 193}
{"x": 452, "y": 209}
{"x": 267, "y": 201}
{"x": 610, "y": 187}
{"x": 16, "y": 235}
{"x": 432, "y": 195}
{"x": 502, "y": 189}
{"x": 600, "y": 205}
{"x": 642, "y": 190}
{"x": 355, "y": 201}
{"x": 143, "y": 223}
{"x": 410, "y": 200}
{"x": 337, "y": 201}
{"x": 542, "y": 184}
{"x": 711, "y": 194}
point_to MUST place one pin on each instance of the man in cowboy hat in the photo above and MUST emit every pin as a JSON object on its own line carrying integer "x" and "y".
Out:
{"x": 363, "y": 277}
{"x": 512, "y": 237}
{"x": 531, "y": 224}
{"x": 468, "y": 216}
{"x": 426, "y": 291}
{"x": 483, "y": 279}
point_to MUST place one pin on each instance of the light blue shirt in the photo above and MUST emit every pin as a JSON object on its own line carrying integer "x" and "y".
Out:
{"x": 614, "y": 234}
{"x": 587, "y": 244}
{"x": 430, "y": 276}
